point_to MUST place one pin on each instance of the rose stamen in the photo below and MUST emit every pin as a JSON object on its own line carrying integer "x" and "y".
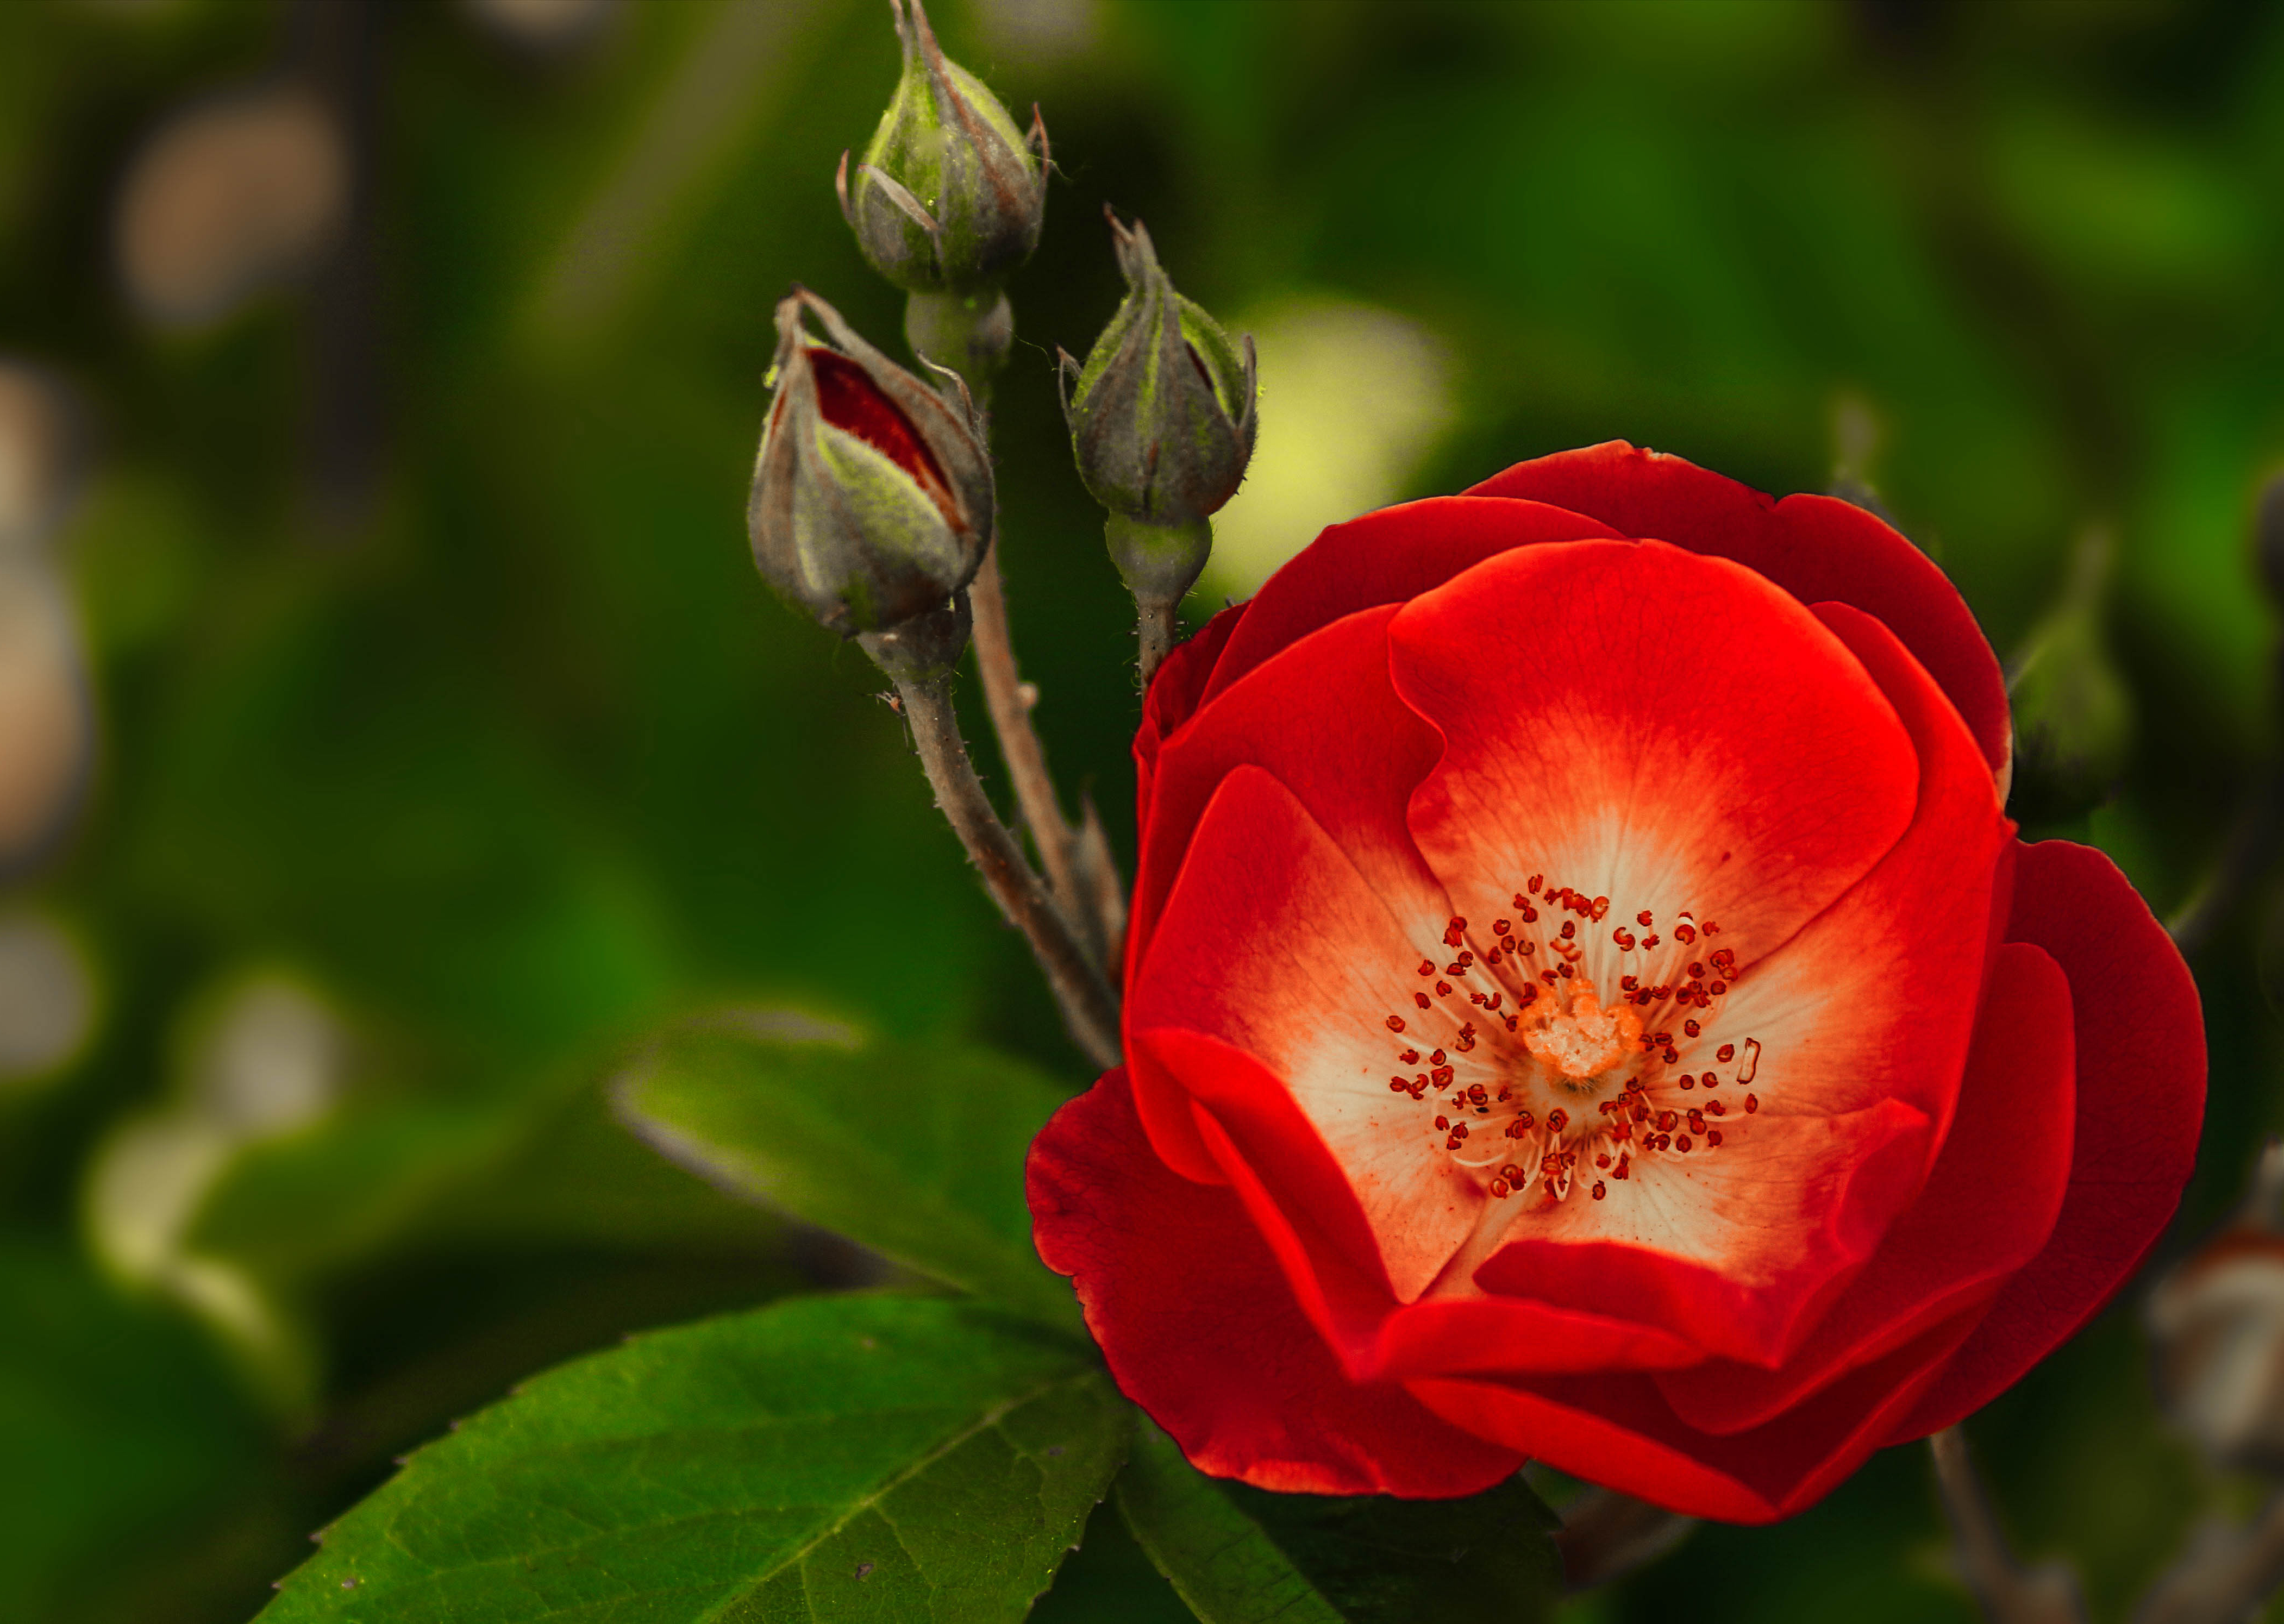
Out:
{"x": 1511, "y": 1104}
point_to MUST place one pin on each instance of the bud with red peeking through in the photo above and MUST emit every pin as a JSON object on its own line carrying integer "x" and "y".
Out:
{"x": 872, "y": 496}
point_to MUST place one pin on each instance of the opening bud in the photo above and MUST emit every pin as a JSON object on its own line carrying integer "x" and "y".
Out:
{"x": 872, "y": 496}
{"x": 950, "y": 195}
{"x": 2073, "y": 713}
{"x": 1163, "y": 421}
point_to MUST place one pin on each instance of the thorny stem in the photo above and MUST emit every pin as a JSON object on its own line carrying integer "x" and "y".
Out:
{"x": 1154, "y": 625}
{"x": 2224, "y": 1576}
{"x": 2008, "y": 1592}
{"x": 1004, "y": 697}
{"x": 1090, "y": 1009}
{"x": 1606, "y": 1534}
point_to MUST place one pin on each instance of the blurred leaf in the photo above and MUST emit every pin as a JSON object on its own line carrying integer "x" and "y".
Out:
{"x": 550, "y": 1168}
{"x": 916, "y": 1152}
{"x": 1241, "y": 1556}
{"x": 118, "y": 1424}
{"x": 905, "y": 1458}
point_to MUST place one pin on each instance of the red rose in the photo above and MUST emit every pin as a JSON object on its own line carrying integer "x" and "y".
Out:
{"x": 1585, "y": 1001}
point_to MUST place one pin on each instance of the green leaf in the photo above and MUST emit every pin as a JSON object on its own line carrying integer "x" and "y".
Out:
{"x": 829, "y": 1457}
{"x": 1240, "y": 1556}
{"x": 917, "y": 1152}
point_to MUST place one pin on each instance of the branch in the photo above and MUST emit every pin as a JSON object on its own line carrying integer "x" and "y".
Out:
{"x": 1606, "y": 1534}
{"x": 1154, "y": 626}
{"x": 2227, "y": 1573}
{"x": 2008, "y": 1592}
{"x": 1090, "y": 1009}
{"x": 1009, "y": 702}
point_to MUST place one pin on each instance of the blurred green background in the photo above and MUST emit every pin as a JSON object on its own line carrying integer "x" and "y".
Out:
{"x": 444, "y": 741}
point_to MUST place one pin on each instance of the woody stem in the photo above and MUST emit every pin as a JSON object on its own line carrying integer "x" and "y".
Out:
{"x": 1089, "y": 1008}
{"x": 970, "y": 335}
{"x": 1606, "y": 1535}
{"x": 2225, "y": 1578}
{"x": 1154, "y": 625}
{"x": 1005, "y": 698}
{"x": 2009, "y": 1593}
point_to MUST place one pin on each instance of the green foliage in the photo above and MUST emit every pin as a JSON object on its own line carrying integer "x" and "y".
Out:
{"x": 123, "y": 1424}
{"x": 527, "y": 763}
{"x": 918, "y": 1152}
{"x": 1240, "y": 1556}
{"x": 840, "y": 1458}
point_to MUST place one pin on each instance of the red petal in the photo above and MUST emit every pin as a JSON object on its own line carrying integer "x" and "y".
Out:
{"x": 1865, "y": 1017}
{"x": 1200, "y": 1330}
{"x": 1322, "y": 718}
{"x": 2140, "y": 1101}
{"x": 1989, "y": 1205}
{"x": 1671, "y": 731}
{"x": 1274, "y": 943}
{"x": 1619, "y": 1432}
{"x": 1389, "y": 556}
{"x": 1816, "y": 548}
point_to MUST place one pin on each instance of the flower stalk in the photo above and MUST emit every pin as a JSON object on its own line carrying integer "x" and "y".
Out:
{"x": 2008, "y": 1592}
{"x": 919, "y": 658}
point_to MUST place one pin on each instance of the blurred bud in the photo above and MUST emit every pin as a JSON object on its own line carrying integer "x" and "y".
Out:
{"x": 2073, "y": 713}
{"x": 47, "y": 719}
{"x": 950, "y": 195}
{"x": 1856, "y": 437}
{"x": 47, "y": 998}
{"x": 2268, "y": 538}
{"x": 42, "y": 455}
{"x": 872, "y": 495}
{"x": 543, "y": 27}
{"x": 1162, "y": 420}
{"x": 2217, "y": 1323}
{"x": 271, "y": 1063}
{"x": 264, "y": 1061}
{"x": 229, "y": 196}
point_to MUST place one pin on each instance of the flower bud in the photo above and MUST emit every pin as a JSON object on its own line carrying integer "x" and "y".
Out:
{"x": 2073, "y": 713}
{"x": 950, "y": 192}
{"x": 1161, "y": 420}
{"x": 2217, "y": 1323}
{"x": 873, "y": 494}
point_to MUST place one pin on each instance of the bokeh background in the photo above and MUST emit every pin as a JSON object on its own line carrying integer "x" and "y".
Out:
{"x": 393, "y": 729}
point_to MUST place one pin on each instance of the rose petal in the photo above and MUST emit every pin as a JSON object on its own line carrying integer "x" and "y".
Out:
{"x": 1322, "y": 718}
{"x": 1866, "y": 1018}
{"x": 1389, "y": 556}
{"x": 1670, "y": 731}
{"x": 1988, "y": 1208}
{"x": 1816, "y": 548}
{"x": 1274, "y": 943}
{"x": 1619, "y": 1432}
{"x": 2141, "y": 1102}
{"x": 1200, "y": 1329}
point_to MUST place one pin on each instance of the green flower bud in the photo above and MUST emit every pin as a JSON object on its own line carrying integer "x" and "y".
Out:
{"x": 873, "y": 494}
{"x": 1162, "y": 420}
{"x": 950, "y": 195}
{"x": 2073, "y": 713}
